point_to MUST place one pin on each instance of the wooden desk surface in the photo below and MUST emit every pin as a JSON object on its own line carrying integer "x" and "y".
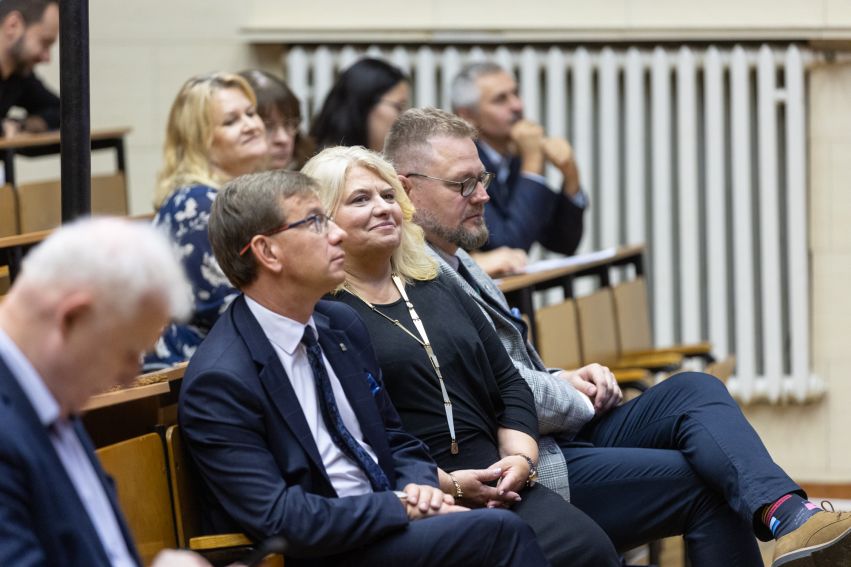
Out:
{"x": 51, "y": 138}
{"x": 520, "y": 281}
{"x": 126, "y": 395}
{"x": 39, "y": 235}
{"x": 24, "y": 239}
{"x": 146, "y": 386}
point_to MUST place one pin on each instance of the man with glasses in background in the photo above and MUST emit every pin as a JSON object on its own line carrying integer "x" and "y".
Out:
{"x": 285, "y": 415}
{"x": 523, "y": 209}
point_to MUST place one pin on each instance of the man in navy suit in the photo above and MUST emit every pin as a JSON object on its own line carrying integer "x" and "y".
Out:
{"x": 298, "y": 438}
{"x": 89, "y": 301}
{"x": 523, "y": 209}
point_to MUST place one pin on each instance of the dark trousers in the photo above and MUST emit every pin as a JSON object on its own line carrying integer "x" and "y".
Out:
{"x": 567, "y": 535}
{"x": 478, "y": 538}
{"x": 679, "y": 459}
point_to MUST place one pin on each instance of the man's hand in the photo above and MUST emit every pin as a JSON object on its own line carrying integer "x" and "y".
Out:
{"x": 35, "y": 124}
{"x": 424, "y": 501}
{"x": 515, "y": 473}
{"x": 11, "y": 128}
{"x": 502, "y": 260}
{"x": 598, "y": 383}
{"x": 559, "y": 152}
{"x": 528, "y": 137}
{"x": 179, "y": 558}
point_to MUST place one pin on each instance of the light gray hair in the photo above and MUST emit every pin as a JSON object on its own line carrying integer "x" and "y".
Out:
{"x": 124, "y": 262}
{"x": 465, "y": 92}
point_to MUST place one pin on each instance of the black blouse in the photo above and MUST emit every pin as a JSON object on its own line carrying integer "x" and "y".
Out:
{"x": 485, "y": 389}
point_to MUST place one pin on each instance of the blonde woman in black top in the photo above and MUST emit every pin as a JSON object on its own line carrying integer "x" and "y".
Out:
{"x": 443, "y": 365}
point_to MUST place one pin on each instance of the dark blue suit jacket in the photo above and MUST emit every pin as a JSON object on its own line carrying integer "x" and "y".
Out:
{"x": 523, "y": 211}
{"x": 247, "y": 435}
{"x": 42, "y": 520}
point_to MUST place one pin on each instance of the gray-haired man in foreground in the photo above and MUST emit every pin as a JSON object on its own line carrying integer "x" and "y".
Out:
{"x": 89, "y": 301}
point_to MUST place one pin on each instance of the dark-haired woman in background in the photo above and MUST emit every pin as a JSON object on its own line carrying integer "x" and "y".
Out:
{"x": 365, "y": 101}
{"x": 280, "y": 109}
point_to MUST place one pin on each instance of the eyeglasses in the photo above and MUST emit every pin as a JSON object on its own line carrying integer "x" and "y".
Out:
{"x": 466, "y": 186}
{"x": 318, "y": 222}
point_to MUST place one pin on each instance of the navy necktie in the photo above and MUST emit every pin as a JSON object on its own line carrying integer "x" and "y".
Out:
{"x": 334, "y": 422}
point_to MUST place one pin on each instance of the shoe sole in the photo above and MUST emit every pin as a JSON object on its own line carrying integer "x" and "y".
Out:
{"x": 834, "y": 553}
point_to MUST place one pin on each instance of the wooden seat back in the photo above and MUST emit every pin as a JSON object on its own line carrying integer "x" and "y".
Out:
{"x": 632, "y": 312}
{"x": 598, "y": 333}
{"x": 139, "y": 468}
{"x": 558, "y": 337}
{"x": 40, "y": 203}
{"x": 8, "y": 211}
{"x": 186, "y": 506}
{"x": 187, "y": 517}
{"x": 635, "y": 333}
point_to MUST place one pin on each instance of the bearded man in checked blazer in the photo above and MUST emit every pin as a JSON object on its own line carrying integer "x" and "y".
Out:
{"x": 679, "y": 459}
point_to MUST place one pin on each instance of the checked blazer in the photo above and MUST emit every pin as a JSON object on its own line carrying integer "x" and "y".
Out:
{"x": 562, "y": 411}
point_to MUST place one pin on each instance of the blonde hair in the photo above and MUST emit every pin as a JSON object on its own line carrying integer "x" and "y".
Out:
{"x": 331, "y": 168}
{"x": 189, "y": 134}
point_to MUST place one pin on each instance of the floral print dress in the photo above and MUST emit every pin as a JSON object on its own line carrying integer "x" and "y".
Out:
{"x": 184, "y": 217}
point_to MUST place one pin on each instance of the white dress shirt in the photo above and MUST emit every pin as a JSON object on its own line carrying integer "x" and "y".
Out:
{"x": 285, "y": 334}
{"x": 71, "y": 453}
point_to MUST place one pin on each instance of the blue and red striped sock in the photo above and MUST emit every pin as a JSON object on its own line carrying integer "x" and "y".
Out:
{"x": 788, "y": 514}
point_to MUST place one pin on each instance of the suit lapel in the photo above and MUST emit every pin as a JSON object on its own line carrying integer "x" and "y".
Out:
{"x": 353, "y": 380}
{"x": 275, "y": 380}
{"x": 495, "y": 297}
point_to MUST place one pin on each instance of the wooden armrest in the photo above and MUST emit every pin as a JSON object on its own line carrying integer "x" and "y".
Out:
{"x": 626, "y": 375}
{"x": 722, "y": 369}
{"x": 657, "y": 361}
{"x": 218, "y": 541}
{"x": 701, "y": 349}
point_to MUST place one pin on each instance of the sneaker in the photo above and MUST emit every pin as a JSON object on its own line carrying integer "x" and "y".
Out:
{"x": 823, "y": 540}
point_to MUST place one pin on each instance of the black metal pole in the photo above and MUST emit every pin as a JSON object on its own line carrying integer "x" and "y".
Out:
{"x": 75, "y": 129}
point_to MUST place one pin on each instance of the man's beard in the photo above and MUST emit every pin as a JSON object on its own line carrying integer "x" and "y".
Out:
{"x": 20, "y": 66}
{"x": 468, "y": 239}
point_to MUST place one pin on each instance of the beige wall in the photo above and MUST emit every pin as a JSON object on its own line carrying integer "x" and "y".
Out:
{"x": 141, "y": 52}
{"x": 557, "y": 19}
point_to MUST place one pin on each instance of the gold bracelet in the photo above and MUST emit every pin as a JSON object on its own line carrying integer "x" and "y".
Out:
{"x": 459, "y": 494}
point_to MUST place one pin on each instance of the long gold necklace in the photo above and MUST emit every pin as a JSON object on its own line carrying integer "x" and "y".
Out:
{"x": 423, "y": 341}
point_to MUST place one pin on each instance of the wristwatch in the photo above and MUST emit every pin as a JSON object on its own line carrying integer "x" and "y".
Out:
{"x": 533, "y": 470}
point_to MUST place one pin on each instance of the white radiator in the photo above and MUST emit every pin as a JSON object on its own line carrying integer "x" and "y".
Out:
{"x": 699, "y": 152}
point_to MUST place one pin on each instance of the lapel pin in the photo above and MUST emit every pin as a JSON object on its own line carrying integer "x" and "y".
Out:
{"x": 343, "y": 347}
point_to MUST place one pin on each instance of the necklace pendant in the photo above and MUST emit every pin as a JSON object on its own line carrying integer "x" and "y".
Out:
{"x": 453, "y": 447}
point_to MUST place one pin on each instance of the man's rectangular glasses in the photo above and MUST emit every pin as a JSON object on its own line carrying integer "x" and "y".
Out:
{"x": 317, "y": 221}
{"x": 467, "y": 186}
